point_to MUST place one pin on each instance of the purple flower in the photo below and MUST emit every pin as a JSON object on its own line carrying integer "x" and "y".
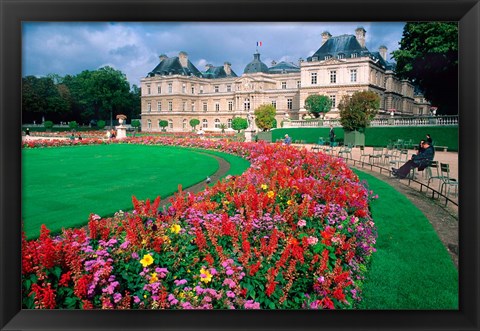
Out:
{"x": 230, "y": 294}
{"x": 136, "y": 299}
{"x": 134, "y": 255}
{"x": 117, "y": 297}
{"x": 180, "y": 282}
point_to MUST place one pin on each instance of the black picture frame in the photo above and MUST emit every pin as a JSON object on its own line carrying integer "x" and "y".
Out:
{"x": 13, "y": 13}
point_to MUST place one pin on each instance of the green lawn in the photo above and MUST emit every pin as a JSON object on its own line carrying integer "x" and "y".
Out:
{"x": 411, "y": 268}
{"x": 62, "y": 186}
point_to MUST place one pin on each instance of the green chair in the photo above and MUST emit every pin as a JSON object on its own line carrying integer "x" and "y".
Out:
{"x": 447, "y": 181}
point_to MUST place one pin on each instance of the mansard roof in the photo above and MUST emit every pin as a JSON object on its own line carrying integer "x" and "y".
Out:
{"x": 256, "y": 65}
{"x": 218, "y": 72}
{"x": 344, "y": 44}
{"x": 283, "y": 67}
{"x": 172, "y": 66}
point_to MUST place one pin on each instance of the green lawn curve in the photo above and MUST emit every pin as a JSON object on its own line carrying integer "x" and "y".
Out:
{"x": 411, "y": 268}
{"x": 61, "y": 186}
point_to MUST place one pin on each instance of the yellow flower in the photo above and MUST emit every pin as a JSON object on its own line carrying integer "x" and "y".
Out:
{"x": 144, "y": 241}
{"x": 270, "y": 194}
{"x": 166, "y": 239}
{"x": 153, "y": 278}
{"x": 264, "y": 186}
{"x": 147, "y": 260}
{"x": 289, "y": 202}
{"x": 175, "y": 228}
{"x": 145, "y": 296}
{"x": 205, "y": 276}
{"x": 181, "y": 295}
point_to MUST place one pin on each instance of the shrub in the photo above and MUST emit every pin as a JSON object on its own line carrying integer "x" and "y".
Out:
{"x": 265, "y": 117}
{"x": 72, "y": 125}
{"x": 101, "y": 124}
{"x": 136, "y": 124}
{"x": 239, "y": 123}
{"x": 48, "y": 125}
{"x": 357, "y": 111}
{"x": 163, "y": 124}
{"x": 318, "y": 104}
{"x": 194, "y": 122}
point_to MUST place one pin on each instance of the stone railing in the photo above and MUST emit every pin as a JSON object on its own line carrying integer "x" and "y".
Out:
{"x": 379, "y": 122}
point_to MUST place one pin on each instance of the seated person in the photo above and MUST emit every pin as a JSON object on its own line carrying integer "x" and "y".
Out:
{"x": 420, "y": 160}
{"x": 287, "y": 140}
{"x": 420, "y": 146}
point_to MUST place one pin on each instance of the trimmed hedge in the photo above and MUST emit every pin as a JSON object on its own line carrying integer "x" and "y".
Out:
{"x": 378, "y": 136}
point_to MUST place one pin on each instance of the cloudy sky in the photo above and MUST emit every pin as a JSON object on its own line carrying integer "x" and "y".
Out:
{"x": 133, "y": 48}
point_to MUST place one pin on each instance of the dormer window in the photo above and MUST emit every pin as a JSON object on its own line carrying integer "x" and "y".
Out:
{"x": 341, "y": 56}
{"x": 328, "y": 57}
{"x": 354, "y": 55}
{"x": 315, "y": 58}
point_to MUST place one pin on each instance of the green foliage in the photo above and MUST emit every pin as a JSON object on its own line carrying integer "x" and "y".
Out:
{"x": 318, "y": 104}
{"x": 194, "y": 122}
{"x": 223, "y": 126}
{"x": 357, "y": 111}
{"x": 73, "y": 125}
{"x": 428, "y": 56}
{"x": 101, "y": 124}
{"x": 239, "y": 123}
{"x": 163, "y": 124}
{"x": 48, "y": 125}
{"x": 265, "y": 117}
{"x": 135, "y": 123}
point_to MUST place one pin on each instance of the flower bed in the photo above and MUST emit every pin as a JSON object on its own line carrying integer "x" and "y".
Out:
{"x": 293, "y": 232}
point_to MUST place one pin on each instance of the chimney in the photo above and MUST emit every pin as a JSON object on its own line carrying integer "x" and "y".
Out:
{"x": 227, "y": 66}
{"x": 163, "y": 57}
{"x": 183, "y": 57}
{"x": 360, "y": 35}
{"x": 274, "y": 62}
{"x": 208, "y": 66}
{"x": 383, "y": 51}
{"x": 325, "y": 36}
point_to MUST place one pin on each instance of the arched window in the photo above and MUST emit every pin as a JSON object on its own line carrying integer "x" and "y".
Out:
{"x": 217, "y": 123}
{"x": 184, "y": 123}
{"x": 229, "y": 123}
{"x": 149, "y": 124}
{"x": 205, "y": 123}
{"x": 170, "y": 124}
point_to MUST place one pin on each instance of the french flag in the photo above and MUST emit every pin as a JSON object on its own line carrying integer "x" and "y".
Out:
{"x": 259, "y": 43}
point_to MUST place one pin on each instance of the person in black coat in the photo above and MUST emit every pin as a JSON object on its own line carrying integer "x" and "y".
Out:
{"x": 429, "y": 139}
{"x": 420, "y": 161}
{"x": 331, "y": 135}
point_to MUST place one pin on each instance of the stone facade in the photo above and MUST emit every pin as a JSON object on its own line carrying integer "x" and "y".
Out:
{"x": 178, "y": 92}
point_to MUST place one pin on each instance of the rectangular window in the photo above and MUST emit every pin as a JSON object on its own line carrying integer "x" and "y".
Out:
{"x": 230, "y": 105}
{"x": 299, "y": 84}
{"x": 289, "y": 104}
{"x": 217, "y": 107}
{"x": 334, "y": 100}
{"x": 170, "y": 88}
{"x": 184, "y": 88}
{"x": 193, "y": 106}
{"x": 170, "y": 106}
{"x": 216, "y": 88}
{"x": 159, "y": 89}
{"x": 353, "y": 75}
{"x": 201, "y": 89}
{"x": 313, "y": 76}
{"x": 205, "y": 107}
{"x": 284, "y": 85}
{"x": 333, "y": 76}
{"x": 193, "y": 89}
{"x": 229, "y": 88}
{"x": 184, "y": 106}
{"x": 246, "y": 104}
{"x": 274, "y": 104}
{"x": 149, "y": 106}
{"x": 148, "y": 89}
{"x": 159, "y": 106}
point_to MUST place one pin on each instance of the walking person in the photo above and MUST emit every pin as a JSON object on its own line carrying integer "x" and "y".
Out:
{"x": 331, "y": 135}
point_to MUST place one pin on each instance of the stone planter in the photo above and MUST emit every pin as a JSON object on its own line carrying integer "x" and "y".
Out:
{"x": 355, "y": 138}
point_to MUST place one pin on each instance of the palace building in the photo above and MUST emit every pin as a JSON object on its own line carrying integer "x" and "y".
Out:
{"x": 176, "y": 91}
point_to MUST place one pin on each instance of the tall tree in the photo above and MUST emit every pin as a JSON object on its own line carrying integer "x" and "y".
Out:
{"x": 428, "y": 56}
{"x": 357, "y": 111}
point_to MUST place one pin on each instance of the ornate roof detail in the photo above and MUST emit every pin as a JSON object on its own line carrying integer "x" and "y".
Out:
{"x": 256, "y": 65}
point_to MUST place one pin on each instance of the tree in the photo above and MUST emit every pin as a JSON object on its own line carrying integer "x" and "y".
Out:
{"x": 163, "y": 124}
{"x": 428, "y": 56}
{"x": 194, "y": 122}
{"x": 265, "y": 117}
{"x": 239, "y": 123}
{"x": 42, "y": 98}
{"x": 136, "y": 124}
{"x": 318, "y": 104}
{"x": 100, "y": 124}
{"x": 73, "y": 125}
{"x": 357, "y": 111}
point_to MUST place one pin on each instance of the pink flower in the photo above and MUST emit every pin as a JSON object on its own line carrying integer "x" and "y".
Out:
{"x": 312, "y": 240}
{"x": 302, "y": 223}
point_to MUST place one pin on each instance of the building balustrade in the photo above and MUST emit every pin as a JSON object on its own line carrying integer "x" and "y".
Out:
{"x": 440, "y": 120}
